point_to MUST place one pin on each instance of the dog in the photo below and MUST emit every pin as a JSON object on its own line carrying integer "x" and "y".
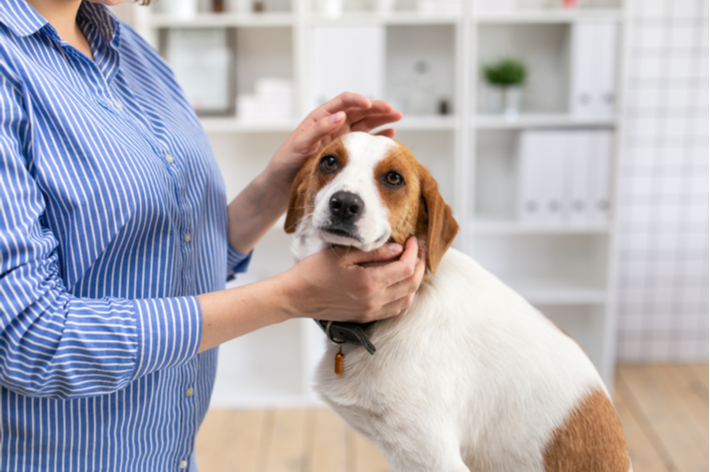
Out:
{"x": 470, "y": 377}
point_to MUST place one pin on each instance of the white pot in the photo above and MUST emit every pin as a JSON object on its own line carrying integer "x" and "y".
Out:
{"x": 504, "y": 100}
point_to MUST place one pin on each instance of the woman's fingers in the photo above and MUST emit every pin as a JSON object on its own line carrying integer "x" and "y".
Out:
{"x": 378, "y": 107}
{"x": 325, "y": 126}
{"x": 346, "y": 100}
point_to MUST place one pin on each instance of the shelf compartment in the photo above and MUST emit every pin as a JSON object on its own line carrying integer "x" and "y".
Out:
{"x": 222, "y": 20}
{"x": 545, "y": 50}
{"x": 540, "y": 120}
{"x": 552, "y": 269}
{"x": 420, "y": 69}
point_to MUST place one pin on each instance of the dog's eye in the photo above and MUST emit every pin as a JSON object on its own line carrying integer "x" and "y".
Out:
{"x": 393, "y": 179}
{"x": 329, "y": 164}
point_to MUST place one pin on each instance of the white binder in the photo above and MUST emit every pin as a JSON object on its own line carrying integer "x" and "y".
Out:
{"x": 541, "y": 173}
{"x": 552, "y": 164}
{"x": 529, "y": 176}
{"x": 347, "y": 58}
{"x": 601, "y": 150}
{"x": 576, "y": 206}
{"x": 604, "y": 92}
{"x": 593, "y": 68}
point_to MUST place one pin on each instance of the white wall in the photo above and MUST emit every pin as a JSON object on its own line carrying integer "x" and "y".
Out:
{"x": 663, "y": 292}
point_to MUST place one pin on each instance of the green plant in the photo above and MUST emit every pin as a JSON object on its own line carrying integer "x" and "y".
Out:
{"x": 506, "y": 72}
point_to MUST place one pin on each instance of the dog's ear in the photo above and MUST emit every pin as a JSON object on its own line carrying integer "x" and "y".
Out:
{"x": 299, "y": 195}
{"x": 435, "y": 222}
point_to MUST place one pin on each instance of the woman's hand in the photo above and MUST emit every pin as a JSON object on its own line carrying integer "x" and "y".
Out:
{"x": 345, "y": 113}
{"x": 329, "y": 285}
{"x": 332, "y": 285}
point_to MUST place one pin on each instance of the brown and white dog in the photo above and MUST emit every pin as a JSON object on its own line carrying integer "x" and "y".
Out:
{"x": 471, "y": 377}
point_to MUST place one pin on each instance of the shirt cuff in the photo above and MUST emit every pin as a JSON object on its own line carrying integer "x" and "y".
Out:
{"x": 169, "y": 333}
{"x": 237, "y": 262}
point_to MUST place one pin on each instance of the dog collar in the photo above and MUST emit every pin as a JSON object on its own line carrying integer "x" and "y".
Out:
{"x": 342, "y": 332}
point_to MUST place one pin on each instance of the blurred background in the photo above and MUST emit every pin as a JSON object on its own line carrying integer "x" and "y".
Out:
{"x": 571, "y": 140}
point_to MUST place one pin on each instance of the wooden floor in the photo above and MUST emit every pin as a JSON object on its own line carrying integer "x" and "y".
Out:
{"x": 664, "y": 410}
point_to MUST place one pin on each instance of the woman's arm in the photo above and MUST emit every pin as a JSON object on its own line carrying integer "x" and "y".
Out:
{"x": 326, "y": 285}
{"x": 264, "y": 200}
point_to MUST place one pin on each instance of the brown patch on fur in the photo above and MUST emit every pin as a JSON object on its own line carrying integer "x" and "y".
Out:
{"x": 309, "y": 181}
{"x": 438, "y": 219}
{"x": 402, "y": 202}
{"x": 591, "y": 440}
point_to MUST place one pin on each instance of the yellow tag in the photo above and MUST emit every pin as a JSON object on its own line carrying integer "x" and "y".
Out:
{"x": 339, "y": 362}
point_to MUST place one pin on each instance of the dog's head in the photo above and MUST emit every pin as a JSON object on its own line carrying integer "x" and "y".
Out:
{"x": 363, "y": 191}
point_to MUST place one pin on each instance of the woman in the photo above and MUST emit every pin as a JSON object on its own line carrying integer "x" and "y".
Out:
{"x": 115, "y": 242}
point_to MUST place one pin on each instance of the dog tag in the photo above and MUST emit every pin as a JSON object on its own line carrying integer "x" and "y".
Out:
{"x": 339, "y": 362}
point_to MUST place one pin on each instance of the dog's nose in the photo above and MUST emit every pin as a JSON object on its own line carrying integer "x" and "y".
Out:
{"x": 346, "y": 206}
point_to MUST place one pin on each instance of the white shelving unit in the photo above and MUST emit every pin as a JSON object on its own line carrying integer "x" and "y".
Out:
{"x": 568, "y": 271}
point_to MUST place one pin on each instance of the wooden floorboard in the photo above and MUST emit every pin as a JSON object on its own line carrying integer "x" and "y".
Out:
{"x": 664, "y": 411}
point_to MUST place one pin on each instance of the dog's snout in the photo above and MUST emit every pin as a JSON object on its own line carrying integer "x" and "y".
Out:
{"x": 346, "y": 206}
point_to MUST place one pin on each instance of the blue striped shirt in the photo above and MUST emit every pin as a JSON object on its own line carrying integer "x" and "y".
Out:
{"x": 113, "y": 217}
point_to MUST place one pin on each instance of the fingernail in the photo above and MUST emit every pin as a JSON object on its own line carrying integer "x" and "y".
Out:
{"x": 395, "y": 248}
{"x": 337, "y": 117}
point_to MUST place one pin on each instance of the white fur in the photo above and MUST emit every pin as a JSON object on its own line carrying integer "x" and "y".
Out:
{"x": 470, "y": 377}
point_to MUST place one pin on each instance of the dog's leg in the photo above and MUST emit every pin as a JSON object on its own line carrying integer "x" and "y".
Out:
{"x": 422, "y": 452}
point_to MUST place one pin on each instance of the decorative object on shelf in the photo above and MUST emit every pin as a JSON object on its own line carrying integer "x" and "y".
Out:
{"x": 183, "y": 9}
{"x": 330, "y": 8}
{"x": 505, "y": 78}
{"x": 444, "y": 107}
{"x": 569, "y": 3}
{"x": 272, "y": 102}
{"x": 218, "y": 6}
{"x": 421, "y": 91}
{"x": 203, "y": 62}
{"x": 439, "y": 7}
{"x": 258, "y": 6}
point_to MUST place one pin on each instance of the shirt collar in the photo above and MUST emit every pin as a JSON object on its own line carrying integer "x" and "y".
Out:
{"x": 20, "y": 17}
{"x": 23, "y": 20}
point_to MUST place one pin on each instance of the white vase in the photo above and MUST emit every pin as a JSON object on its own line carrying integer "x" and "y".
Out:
{"x": 504, "y": 100}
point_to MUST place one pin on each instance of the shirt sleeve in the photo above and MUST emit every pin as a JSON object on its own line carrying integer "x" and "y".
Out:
{"x": 237, "y": 263}
{"x": 54, "y": 344}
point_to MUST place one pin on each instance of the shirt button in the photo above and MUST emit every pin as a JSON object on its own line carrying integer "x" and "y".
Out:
{"x": 187, "y": 237}
{"x": 169, "y": 158}
{"x": 189, "y": 392}
{"x": 183, "y": 464}
{"x": 119, "y": 105}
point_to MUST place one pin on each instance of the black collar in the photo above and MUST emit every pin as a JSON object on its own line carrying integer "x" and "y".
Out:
{"x": 341, "y": 332}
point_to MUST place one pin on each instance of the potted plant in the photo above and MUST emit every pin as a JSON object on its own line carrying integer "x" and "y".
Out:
{"x": 506, "y": 78}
